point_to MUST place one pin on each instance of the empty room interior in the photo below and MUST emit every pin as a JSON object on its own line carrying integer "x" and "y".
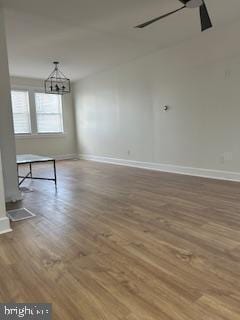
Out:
{"x": 120, "y": 159}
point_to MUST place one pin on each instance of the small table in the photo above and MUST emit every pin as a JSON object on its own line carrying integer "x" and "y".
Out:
{"x": 30, "y": 159}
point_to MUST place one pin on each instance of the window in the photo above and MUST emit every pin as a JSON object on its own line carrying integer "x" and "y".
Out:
{"x": 49, "y": 113}
{"x": 36, "y": 113}
{"x": 21, "y": 114}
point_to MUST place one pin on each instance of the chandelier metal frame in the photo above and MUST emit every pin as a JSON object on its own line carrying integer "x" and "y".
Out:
{"x": 57, "y": 82}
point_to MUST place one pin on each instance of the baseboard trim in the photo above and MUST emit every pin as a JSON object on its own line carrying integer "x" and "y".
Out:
{"x": 198, "y": 172}
{"x": 66, "y": 157}
{"x": 5, "y": 225}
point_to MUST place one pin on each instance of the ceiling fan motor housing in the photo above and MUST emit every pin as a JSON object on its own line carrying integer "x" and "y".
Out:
{"x": 194, "y": 3}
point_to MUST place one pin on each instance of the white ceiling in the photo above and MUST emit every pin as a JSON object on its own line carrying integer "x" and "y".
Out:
{"x": 88, "y": 36}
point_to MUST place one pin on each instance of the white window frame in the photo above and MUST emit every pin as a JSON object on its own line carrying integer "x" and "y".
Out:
{"x": 62, "y": 118}
{"x": 33, "y": 117}
{"x": 29, "y": 112}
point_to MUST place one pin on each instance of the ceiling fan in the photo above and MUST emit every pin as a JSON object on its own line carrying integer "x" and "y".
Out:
{"x": 204, "y": 16}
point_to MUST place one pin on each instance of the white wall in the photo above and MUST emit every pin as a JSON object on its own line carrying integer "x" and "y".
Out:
{"x": 4, "y": 221}
{"x": 60, "y": 146}
{"x": 119, "y": 112}
{"x": 7, "y": 142}
{"x": 2, "y": 200}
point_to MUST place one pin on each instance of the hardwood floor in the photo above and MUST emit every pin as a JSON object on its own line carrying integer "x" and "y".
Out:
{"x": 118, "y": 243}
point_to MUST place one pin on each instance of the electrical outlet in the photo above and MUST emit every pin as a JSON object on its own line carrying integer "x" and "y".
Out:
{"x": 222, "y": 160}
{"x": 226, "y": 156}
{"x": 227, "y": 74}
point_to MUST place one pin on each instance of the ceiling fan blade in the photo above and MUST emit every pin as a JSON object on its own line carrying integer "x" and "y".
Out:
{"x": 204, "y": 16}
{"x": 184, "y": 1}
{"x": 143, "y": 25}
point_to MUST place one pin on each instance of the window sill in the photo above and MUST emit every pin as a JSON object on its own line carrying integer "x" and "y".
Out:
{"x": 40, "y": 136}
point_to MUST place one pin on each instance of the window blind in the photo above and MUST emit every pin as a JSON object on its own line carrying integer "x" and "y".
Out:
{"x": 49, "y": 113}
{"x": 21, "y": 115}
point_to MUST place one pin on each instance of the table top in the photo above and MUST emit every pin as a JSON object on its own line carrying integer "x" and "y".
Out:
{"x": 30, "y": 158}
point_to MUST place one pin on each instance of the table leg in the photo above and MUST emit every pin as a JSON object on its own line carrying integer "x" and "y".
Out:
{"x": 30, "y": 167}
{"x": 55, "y": 172}
{"x": 18, "y": 173}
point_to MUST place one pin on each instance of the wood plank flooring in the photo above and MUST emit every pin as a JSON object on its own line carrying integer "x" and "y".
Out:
{"x": 118, "y": 243}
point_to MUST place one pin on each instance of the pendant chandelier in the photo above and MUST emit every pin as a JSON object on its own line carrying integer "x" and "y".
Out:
{"x": 57, "y": 83}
